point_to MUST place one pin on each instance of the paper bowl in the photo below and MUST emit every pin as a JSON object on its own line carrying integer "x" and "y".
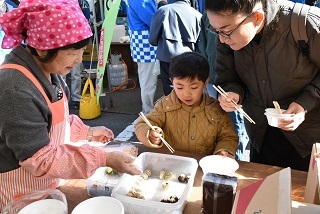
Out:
{"x": 273, "y": 116}
{"x": 99, "y": 205}
{"x": 219, "y": 165}
{"x": 48, "y": 206}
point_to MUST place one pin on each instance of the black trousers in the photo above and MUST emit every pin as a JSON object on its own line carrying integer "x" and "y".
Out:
{"x": 165, "y": 78}
{"x": 276, "y": 150}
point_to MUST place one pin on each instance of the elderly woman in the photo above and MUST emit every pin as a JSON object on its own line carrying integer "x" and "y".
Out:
{"x": 35, "y": 125}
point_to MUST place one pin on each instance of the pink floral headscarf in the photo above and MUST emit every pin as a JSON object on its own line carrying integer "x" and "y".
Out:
{"x": 48, "y": 24}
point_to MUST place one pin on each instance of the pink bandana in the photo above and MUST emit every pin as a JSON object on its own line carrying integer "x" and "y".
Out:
{"x": 48, "y": 24}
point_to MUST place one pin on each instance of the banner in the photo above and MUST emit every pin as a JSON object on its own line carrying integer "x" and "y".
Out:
{"x": 111, "y": 8}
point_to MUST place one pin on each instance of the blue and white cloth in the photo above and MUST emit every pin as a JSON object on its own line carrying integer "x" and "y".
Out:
{"x": 141, "y": 50}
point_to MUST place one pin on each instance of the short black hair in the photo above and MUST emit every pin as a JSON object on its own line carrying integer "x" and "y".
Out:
{"x": 52, "y": 53}
{"x": 189, "y": 65}
{"x": 233, "y": 6}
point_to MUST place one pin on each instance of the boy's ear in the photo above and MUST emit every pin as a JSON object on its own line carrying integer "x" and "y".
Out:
{"x": 207, "y": 81}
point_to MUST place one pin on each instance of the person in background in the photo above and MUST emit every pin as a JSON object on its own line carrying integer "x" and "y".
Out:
{"x": 188, "y": 118}
{"x": 175, "y": 29}
{"x": 207, "y": 47}
{"x": 258, "y": 62}
{"x": 4, "y": 7}
{"x": 75, "y": 85}
{"x": 75, "y": 72}
{"x": 139, "y": 14}
{"x": 13, "y": 3}
{"x": 35, "y": 126}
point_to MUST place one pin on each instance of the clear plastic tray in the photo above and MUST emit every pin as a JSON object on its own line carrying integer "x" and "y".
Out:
{"x": 152, "y": 187}
{"x": 102, "y": 184}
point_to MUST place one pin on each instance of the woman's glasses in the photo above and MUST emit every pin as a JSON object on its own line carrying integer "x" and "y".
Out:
{"x": 228, "y": 35}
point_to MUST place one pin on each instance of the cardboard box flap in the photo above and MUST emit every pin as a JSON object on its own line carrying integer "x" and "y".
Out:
{"x": 270, "y": 195}
{"x": 312, "y": 193}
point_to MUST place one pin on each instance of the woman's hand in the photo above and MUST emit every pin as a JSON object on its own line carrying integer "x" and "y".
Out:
{"x": 224, "y": 153}
{"x": 292, "y": 123}
{"x": 225, "y": 102}
{"x": 154, "y": 136}
{"x": 122, "y": 163}
{"x": 101, "y": 134}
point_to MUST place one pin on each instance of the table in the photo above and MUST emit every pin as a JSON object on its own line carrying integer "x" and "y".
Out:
{"x": 248, "y": 173}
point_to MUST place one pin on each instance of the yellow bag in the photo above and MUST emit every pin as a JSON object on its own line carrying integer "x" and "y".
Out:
{"x": 89, "y": 108}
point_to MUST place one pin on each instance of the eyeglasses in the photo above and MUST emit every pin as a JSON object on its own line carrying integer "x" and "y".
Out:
{"x": 228, "y": 35}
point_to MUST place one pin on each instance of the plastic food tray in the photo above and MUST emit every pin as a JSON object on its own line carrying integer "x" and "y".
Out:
{"x": 102, "y": 184}
{"x": 152, "y": 187}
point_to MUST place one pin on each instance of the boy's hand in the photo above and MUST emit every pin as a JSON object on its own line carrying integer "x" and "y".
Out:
{"x": 154, "y": 136}
{"x": 224, "y": 153}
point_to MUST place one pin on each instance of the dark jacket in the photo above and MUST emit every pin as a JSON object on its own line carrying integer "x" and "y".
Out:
{"x": 275, "y": 69}
{"x": 175, "y": 29}
{"x": 207, "y": 45}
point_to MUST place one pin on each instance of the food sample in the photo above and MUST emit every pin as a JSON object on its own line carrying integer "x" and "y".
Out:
{"x": 165, "y": 175}
{"x": 110, "y": 171}
{"x": 136, "y": 190}
{"x": 183, "y": 178}
{"x": 165, "y": 185}
{"x": 146, "y": 174}
{"x": 172, "y": 199}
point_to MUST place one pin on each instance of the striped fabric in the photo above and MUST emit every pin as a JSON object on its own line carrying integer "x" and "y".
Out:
{"x": 19, "y": 181}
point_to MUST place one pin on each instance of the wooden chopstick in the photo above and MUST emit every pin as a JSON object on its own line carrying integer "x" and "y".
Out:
{"x": 224, "y": 94}
{"x": 277, "y": 106}
{"x": 145, "y": 119}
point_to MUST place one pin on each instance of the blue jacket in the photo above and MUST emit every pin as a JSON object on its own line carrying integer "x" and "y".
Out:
{"x": 139, "y": 14}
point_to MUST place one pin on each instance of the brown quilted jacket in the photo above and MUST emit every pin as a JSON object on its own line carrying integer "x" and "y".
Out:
{"x": 205, "y": 129}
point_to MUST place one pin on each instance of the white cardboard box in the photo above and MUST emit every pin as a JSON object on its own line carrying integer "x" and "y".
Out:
{"x": 269, "y": 195}
{"x": 312, "y": 193}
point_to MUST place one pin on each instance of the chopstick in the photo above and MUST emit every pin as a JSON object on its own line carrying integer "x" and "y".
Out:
{"x": 224, "y": 94}
{"x": 150, "y": 125}
{"x": 277, "y": 106}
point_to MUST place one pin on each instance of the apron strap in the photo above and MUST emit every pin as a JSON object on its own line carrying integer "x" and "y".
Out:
{"x": 30, "y": 76}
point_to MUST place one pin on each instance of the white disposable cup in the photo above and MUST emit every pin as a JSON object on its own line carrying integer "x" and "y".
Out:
{"x": 273, "y": 116}
{"x": 219, "y": 165}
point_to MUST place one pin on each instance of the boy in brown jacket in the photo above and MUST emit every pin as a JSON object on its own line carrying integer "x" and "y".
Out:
{"x": 189, "y": 119}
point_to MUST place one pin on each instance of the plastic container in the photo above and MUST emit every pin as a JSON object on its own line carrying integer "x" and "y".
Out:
{"x": 273, "y": 116}
{"x": 118, "y": 74}
{"x": 102, "y": 184}
{"x": 219, "y": 165}
{"x": 50, "y": 201}
{"x": 152, "y": 187}
{"x": 99, "y": 205}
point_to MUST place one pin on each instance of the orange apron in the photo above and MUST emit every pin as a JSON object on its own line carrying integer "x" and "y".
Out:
{"x": 20, "y": 181}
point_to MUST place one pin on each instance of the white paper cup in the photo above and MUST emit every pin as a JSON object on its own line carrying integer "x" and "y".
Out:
{"x": 273, "y": 116}
{"x": 99, "y": 205}
{"x": 48, "y": 206}
{"x": 219, "y": 165}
